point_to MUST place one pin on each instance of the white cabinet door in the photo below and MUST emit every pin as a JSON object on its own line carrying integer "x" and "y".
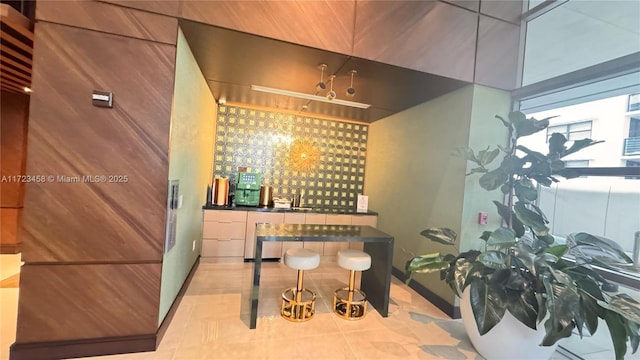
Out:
{"x": 332, "y": 248}
{"x": 269, "y": 249}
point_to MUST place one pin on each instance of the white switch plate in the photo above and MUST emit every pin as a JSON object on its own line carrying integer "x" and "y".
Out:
{"x": 179, "y": 201}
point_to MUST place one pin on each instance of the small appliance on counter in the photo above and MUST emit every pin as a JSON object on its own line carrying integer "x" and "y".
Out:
{"x": 266, "y": 195}
{"x": 281, "y": 203}
{"x": 248, "y": 189}
{"x": 220, "y": 191}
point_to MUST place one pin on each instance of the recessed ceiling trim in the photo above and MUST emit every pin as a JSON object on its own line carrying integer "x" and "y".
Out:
{"x": 309, "y": 97}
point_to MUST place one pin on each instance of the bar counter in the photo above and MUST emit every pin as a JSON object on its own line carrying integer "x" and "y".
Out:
{"x": 376, "y": 282}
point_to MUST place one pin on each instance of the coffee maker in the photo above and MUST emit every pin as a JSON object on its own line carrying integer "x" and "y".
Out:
{"x": 248, "y": 189}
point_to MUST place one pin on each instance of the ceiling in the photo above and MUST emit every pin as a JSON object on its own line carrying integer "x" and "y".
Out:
{"x": 232, "y": 61}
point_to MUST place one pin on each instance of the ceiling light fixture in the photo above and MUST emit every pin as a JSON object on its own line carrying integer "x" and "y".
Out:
{"x": 351, "y": 91}
{"x": 309, "y": 96}
{"x": 331, "y": 95}
{"x": 321, "y": 85}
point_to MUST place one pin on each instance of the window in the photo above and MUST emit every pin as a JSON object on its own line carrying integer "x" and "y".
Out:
{"x": 573, "y": 131}
{"x": 634, "y": 102}
{"x": 576, "y": 163}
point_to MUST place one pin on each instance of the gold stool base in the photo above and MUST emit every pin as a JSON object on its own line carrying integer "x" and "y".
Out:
{"x": 350, "y": 305}
{"x": 298, "y": 309}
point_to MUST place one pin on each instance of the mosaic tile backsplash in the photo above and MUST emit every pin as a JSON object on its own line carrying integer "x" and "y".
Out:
{"x": 271, "y": 143}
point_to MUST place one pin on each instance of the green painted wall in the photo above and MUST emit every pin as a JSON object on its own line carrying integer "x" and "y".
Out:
{"x": 190, "y": 161}
{"x": 414, "y": 182}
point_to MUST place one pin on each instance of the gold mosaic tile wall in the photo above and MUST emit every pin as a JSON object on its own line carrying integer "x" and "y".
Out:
{"x": 282, "y": 146}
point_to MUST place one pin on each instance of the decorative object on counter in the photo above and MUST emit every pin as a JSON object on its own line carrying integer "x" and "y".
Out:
{"x": 304, "y": 156}
{"x": 281, "y": 203}
{"x": 221, "y": 191}
{"x": 266, "y": 196}
{"x": 522, "y": 277}
{"x": 351, "y": 303}
{"x": 363, "y": 204}
{"x": 299, "y": 304}
{"x": 248, "y": 189}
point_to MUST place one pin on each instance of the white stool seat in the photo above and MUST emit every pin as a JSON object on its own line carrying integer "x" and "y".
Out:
{"x": 351, "y": 259}
{"x": 301, "y": 259}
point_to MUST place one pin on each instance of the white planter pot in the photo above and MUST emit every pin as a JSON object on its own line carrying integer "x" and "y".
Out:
{"x": 509, "y": 339}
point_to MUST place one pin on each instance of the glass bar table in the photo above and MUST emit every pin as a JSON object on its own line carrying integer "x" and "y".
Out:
{"x": 376, "y": 282}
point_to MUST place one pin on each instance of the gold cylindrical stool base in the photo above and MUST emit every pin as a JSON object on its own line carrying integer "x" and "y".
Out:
{"x": 298, "y": 309}
{"x": 350, "y": 305}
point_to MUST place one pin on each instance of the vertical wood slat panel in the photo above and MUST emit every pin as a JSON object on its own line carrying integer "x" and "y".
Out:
{"x": 432, "y": 37}
{"x": 74, "y": 302}
{"x": 111, "y": 19}
{"x": 69, "y": 137}
{"x": 325, "y": 25}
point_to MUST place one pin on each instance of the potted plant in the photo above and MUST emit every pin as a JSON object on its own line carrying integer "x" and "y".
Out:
{"x": 523, "y": 273}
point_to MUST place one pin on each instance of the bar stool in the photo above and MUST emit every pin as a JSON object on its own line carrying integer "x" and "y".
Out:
{"x": 299, "y": 304}
{"x": 351, "y": 303}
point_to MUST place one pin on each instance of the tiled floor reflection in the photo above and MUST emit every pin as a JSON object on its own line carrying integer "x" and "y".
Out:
{"x": 207, "y": 323}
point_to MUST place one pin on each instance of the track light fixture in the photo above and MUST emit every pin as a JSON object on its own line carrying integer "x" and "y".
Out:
{"x": 331, "y": 94}
{"x": 321, "y": 85}
{"x": 351, "y": 91}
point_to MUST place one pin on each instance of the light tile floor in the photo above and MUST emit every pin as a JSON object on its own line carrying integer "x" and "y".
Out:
{"x": 207, "y": 323}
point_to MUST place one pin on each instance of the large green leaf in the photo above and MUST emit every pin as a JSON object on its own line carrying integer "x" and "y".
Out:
{"x": 624, "y": 305}
{"x": 509, "y": 216}
{"x": 427, "y": 263}
{"x": 531, "y": 219}
{"x": 525, "y": 190}
{"x": 466, "y": 153}
{"x": 524, "y": 307}
{"x": 493, "y": 179}
{"x": 488, "y": 305}
{"x": 610, "y": 250}
{"x": 562, "y": 301}
{"x": 493, "y": 259}
{"x": 485, "y": 157}
{"x": 503, "y": 237}
{"x": 591, "y": 312}
{"x": 579, "y": 145}
{"x": 440, "y": 235}
{"x": 618, "y": 333}
{"x": 556, "y": 144}
{"x": 526, "y": 126}
{"x": 558, "y": 250}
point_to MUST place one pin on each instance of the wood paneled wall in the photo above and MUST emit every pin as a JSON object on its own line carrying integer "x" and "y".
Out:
{"x": 469, "y": 40}
{"x": 321, "y": 24}
{"x": 93, "y": 250}
{"x": 14, "y": 116}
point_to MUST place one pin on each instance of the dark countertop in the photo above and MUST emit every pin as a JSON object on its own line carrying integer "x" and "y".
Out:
{"x": 305, "y": 210}
{"x": 311, "y": 232}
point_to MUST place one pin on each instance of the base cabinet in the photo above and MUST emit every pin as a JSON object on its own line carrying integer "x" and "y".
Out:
{"x": 269, "y": 249}
{"x": 223, "y": 233}
{"x": 232, "y": 233}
